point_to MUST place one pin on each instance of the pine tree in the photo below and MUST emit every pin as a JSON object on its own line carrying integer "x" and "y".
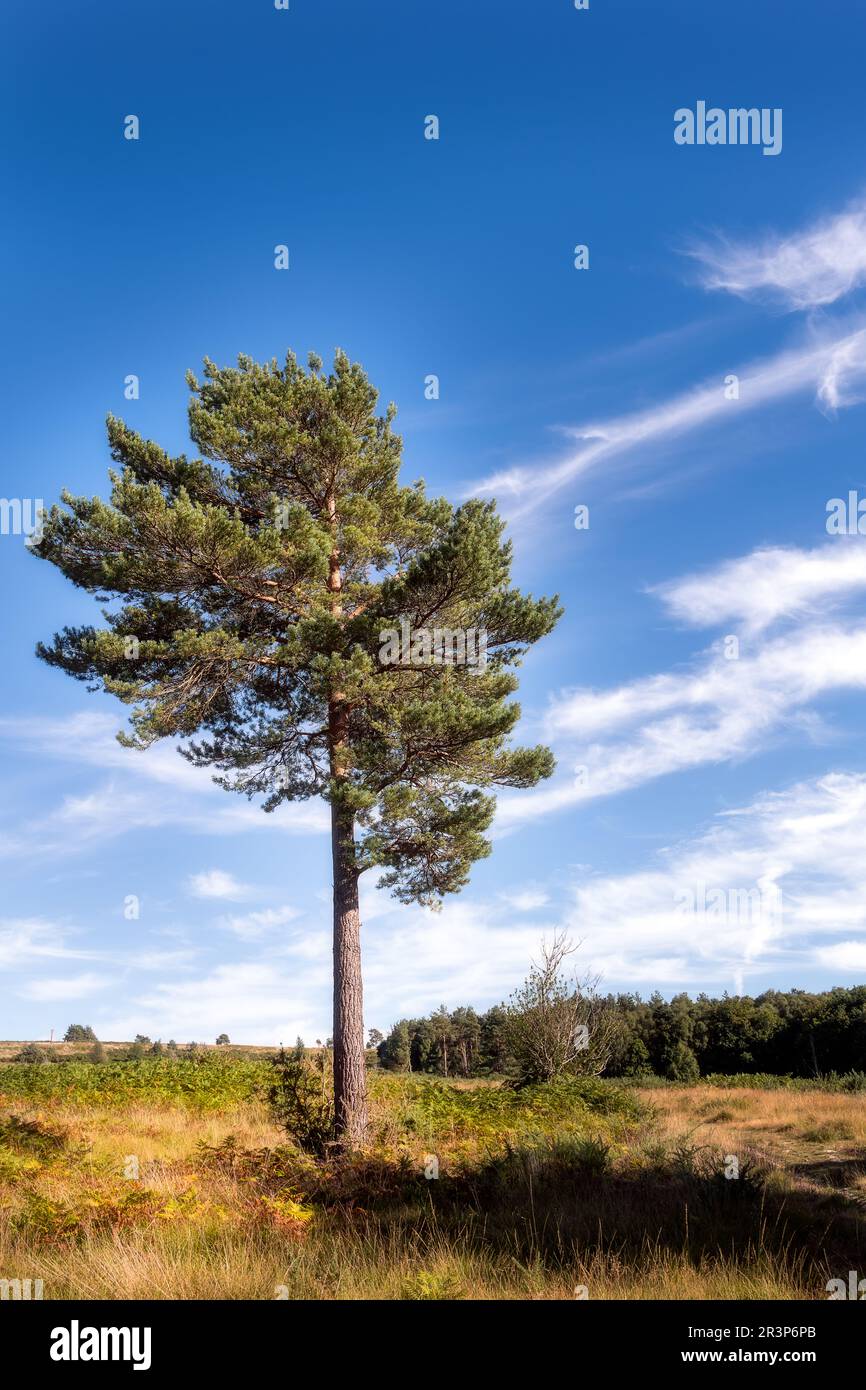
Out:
{"x": 394, "y": 1051}
{"x": 252, "y": 587}
{"x": 79, "y": 1032}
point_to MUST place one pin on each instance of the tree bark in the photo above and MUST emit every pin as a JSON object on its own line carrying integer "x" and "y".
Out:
{"x": 350, "y": 1065}
{"x": 350, "y": 1059}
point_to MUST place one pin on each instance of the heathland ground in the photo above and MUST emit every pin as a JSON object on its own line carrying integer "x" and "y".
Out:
{"x": 170, "y": 1179}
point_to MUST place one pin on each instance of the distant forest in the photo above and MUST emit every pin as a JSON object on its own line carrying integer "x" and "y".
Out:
{"x": 794, "y": 1033}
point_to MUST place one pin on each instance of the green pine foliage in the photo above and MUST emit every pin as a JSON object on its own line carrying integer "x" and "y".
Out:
{"x": 247, "y": 590}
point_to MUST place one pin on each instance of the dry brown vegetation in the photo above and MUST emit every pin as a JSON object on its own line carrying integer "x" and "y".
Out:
{"x": 626, "y": 1198}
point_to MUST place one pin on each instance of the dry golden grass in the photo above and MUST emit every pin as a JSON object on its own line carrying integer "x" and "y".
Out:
{"x": 209, "y": 1230}
{"x": 787, "y": 1113}
{"x": 801, "y": 1133}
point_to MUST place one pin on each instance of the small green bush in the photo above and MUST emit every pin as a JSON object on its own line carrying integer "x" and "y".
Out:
{"x": 682, "y": 1064}
{"x": 301, "y": 1097}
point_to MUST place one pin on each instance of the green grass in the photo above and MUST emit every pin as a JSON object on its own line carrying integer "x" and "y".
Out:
{"x": 209, "y": 1082}
{"x": 539, "y": 1190}
{"x": 430, "y": 1109}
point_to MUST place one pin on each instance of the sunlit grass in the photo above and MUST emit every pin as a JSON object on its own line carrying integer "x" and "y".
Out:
{"x": 541, "y": 1194}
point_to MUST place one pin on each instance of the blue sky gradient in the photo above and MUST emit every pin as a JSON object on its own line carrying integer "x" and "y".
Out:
{"x": 455, "y": 257}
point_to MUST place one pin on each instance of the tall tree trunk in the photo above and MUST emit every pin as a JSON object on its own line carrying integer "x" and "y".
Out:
{"x": 350, "y": 1059}
{"x": 350, "y": 1073}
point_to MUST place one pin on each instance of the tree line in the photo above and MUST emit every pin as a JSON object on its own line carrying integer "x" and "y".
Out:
{"x": 793, "y": 1032}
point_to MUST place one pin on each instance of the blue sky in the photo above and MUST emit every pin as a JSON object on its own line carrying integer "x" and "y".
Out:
{"x": 709, "y": 782}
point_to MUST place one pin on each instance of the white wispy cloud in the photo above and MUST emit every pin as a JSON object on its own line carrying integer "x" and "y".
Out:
{"x": 251, "y": 1000}
{"x": 151, "y": 789}
{"x": 831, "y": 369}
{"x": 28, "y": 943}
{"x": 812, "y": 267}
{"x": 68, "y": 988}
{"x": 527, "y": 899}
{"x": 25, "y": 940}
{"x": 841, "y": 379}
{"x": 845, "y": 955}
{"x": 773, "y": 582}
{"x": 253, "y": 926}
{"x": 717, "y": 711}
{"x": 90, "y": 737}
{"x": 469, "y": 951}
{"x": 414, "y": 958}
{"x": 764, "y": 888}
{"x": 216, "y": 883}
{"x": 772, "y": 886}
{"x": 158, "y": 960}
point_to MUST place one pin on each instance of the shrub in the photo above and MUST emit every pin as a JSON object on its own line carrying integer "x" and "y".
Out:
{"x": 636, "y": 1060}
{"x": 553, "y": 1025}
{"x": 682, "y": 1064}
{"x": 302, "y": 1099}
{"x": 394, "y": 1052}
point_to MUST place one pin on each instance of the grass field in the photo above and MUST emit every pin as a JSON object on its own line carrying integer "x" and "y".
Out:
{"x": 169, "y": 1179}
